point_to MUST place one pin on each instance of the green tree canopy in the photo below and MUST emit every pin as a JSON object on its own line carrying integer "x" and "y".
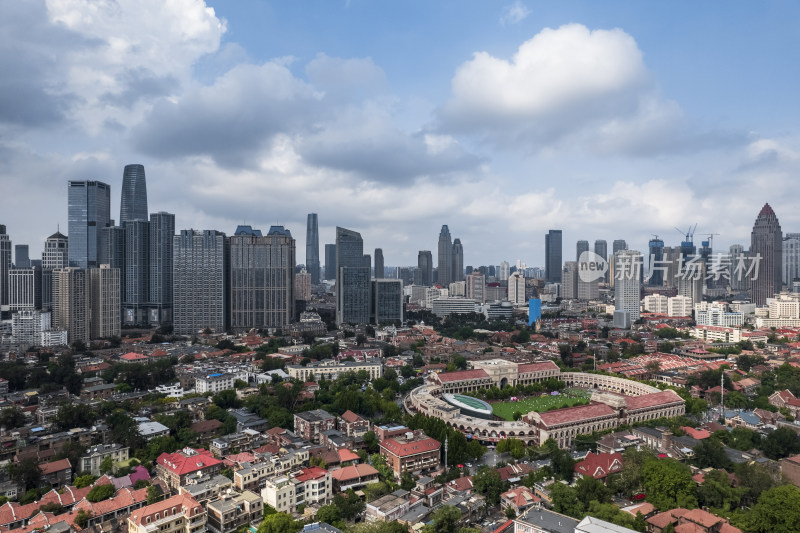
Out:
{"x": 669, "y": 484}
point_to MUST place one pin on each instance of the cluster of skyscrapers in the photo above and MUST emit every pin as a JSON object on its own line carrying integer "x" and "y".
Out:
{"x": 140, "y": 272}
{"x": 756, "y": 273}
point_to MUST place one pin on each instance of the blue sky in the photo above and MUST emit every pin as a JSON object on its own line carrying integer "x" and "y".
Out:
{"x": 501, "y": 119}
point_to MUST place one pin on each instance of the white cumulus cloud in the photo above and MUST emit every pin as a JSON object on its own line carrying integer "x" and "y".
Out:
{"x": 514, "y": 13}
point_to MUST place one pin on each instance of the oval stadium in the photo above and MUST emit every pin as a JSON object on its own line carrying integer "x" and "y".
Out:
{"x": 469, "y": 406}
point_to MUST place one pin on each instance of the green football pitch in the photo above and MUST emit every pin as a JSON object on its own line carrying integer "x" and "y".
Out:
{"x": 567, "y": 398}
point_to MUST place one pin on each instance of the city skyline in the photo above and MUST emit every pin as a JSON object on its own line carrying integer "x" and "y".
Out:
{"x": 656, "y": 138}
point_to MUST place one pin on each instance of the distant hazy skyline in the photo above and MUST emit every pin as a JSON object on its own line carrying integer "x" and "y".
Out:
{"x": 608, "y": 120}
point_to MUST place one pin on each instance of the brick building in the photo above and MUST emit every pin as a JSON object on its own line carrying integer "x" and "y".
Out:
{"x": 309, "y": 424}
{"x": 175, "y": 468}
{"x": 412, "y": 452}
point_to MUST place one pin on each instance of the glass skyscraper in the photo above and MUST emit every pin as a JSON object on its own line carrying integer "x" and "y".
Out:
{"x": 458, "y": 260}
{"x": 552, "y": 253}
{"x": 445, "y": 257}
{"x": 88, "y": 212}
{"x": 766, "y": 245}
{"x": 133, "y": 204}
{"x": 379, "y": 263}
{"x": 352, "y": 279}
{"x": 330, "y": 261}
{"x": 312, "y": 247}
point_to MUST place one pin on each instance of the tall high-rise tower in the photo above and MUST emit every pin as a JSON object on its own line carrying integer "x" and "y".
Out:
{"x": 5, "y": 264}
{"x": 445, "y": 257}
{"x": 656, "y": 258}
{"x": 104, "y": 301}
{"x": 352, "y": 279}
{"x": 601, "y": 249}
{"x": 56, "y": 252}
{"x": 424, "y": 269}
{"x": 88, "y": 212}
{"x": 791, "y": 258}
{"x": 21, "y": 257}
{"x": 162, "y": 231}
{"x": 552, "y": 253}
{"x": 262, "y": 278}
{"x": 627, "y": 290}
{"x": 330, "y": 261}
{"x": 619, "y": 245}
{"x": 137, "y": 272}
{"x": 766, "y": 243}
{"x": 133, "y": 204}
{"x": 71, "y": 309}
{"x": 379, "y": 263}
{"x": 312, "y": 247}
{"x": 580, "y": 247}
{"x": 458, "y": 260}
{"x": 201, "y": 266}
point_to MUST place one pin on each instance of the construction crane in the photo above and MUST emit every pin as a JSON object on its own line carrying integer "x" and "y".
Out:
{"x": 710, "y": 240}
{"x": 689, "y": 233}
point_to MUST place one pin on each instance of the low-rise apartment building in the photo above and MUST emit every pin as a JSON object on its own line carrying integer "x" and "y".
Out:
{"x": 175, "y": 468}
{"x": 331, "y": 369}
{"x": 94, "y": 457}
{"x": 412, "y": 452}
{"x": 309, "y": 424}
{"x": 306, "y": 486}
{"x": 229, "y": 513}
{"x": 178, "y": 514}
{"x": 214, "y": 383}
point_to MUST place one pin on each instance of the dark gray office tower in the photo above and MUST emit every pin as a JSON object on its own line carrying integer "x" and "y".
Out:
{"x": 379, "y": 273}
{"x": 137, "y": 272}
{"x": 766, "y": 243}
{"x": 312, "y": 247}
{"x": 368, "y": 262}
{"x": 5, "y": 264}
{"x": 330, "y": 261}
{"x": 113, "y": 252}
{"x": 619, "y": 245}
{"x": 387, "y": 301}
{"x": 656, "y": 262}
{"x": 201, "y": 262}
{"x": 88, "y": 212}
{"x": 582, "y": 246}
{"x": 262, "y": 278}
{"x": 352, "y": 279}
{"x": 133, "y": 204}
{"x": 552, "y": 252}
{"x": 21, "y": 257}
{"x": 425, "y": 269}
{"x": 601, "y": 248}
{"x": 162, "y": 233}
{"x": 445, "y": 266}
{"x": 458, "y": 261}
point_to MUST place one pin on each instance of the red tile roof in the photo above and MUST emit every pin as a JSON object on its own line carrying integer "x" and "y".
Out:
{"x": 54, "y": 466}
{"x": 599, "y": 465}
{"x": 133, "y": 356}
{"x": 179, "y": 463}
{"x": 404, "y": 449}
{"x": 347, "y": 455}
{"x": 350, "y": 416}
{"x": 537, "y": 367}
{"x": 653, "y": 399}
{"x": 312, "y": 472}
{"x": 349, "y": 473}
{"x": 573, "y": 414}
{"x": 182, "y": 503}
{"x": 463, "y": 375}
